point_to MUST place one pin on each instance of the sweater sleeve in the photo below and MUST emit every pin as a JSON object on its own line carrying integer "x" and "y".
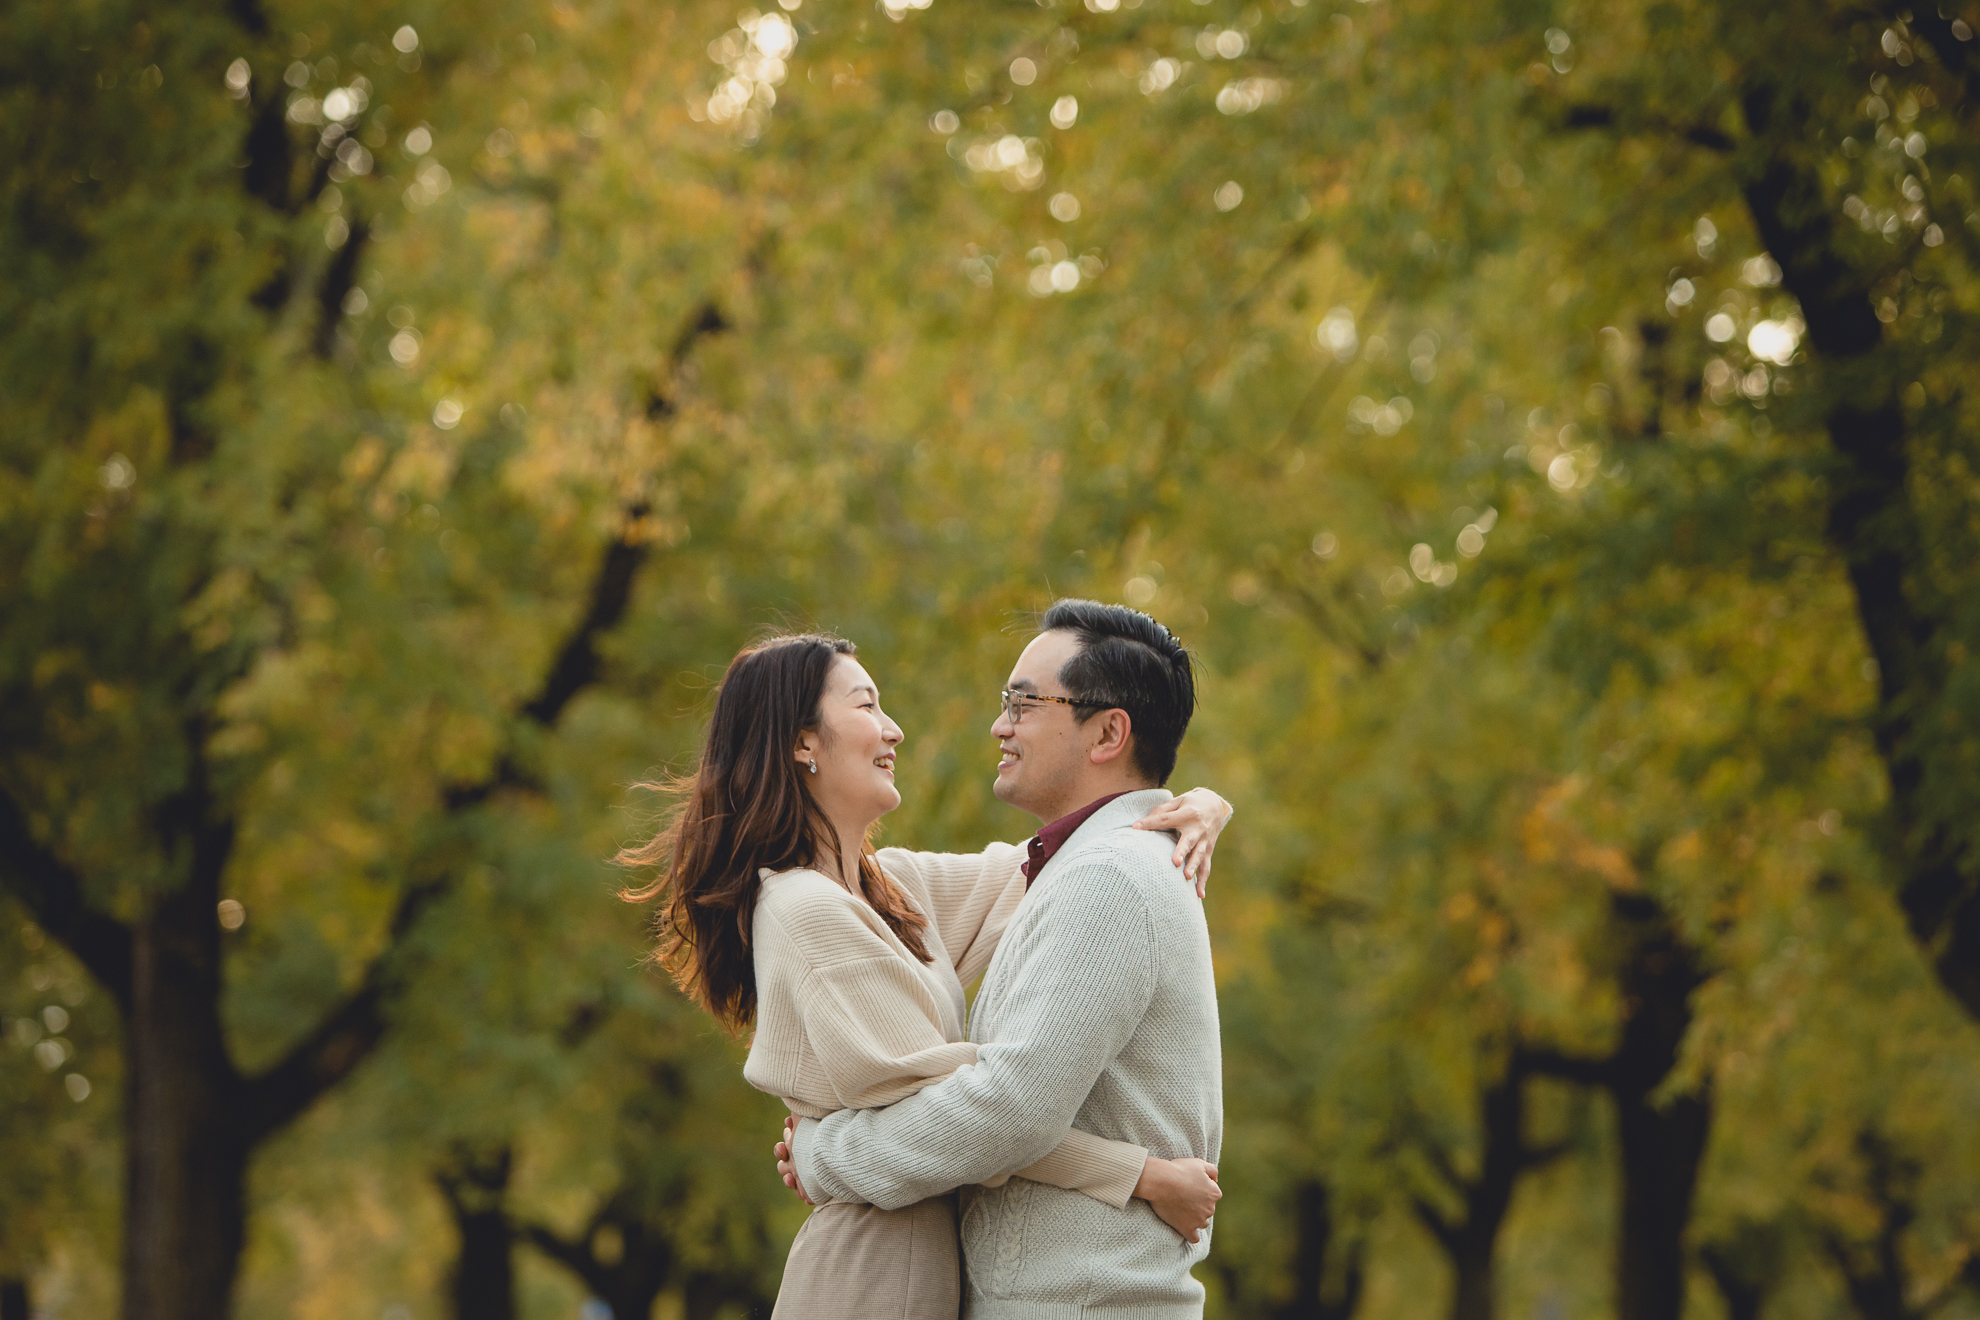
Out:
{"x": 1078, "y": 988}
{"x": 1105, "y": 1170}
{"x": 873, "y": 1052}
{"x": 972, "y": 897}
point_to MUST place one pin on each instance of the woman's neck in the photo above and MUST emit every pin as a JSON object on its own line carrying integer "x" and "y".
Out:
{"x": 851, "y": 841}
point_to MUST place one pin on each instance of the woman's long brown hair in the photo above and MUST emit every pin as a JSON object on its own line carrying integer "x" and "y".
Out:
{"x": 746, "y": 808}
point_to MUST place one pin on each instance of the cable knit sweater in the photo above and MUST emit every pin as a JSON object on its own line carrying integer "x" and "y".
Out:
{"x": 1099, "y": 1009}
{"x": 848, "y": 1018}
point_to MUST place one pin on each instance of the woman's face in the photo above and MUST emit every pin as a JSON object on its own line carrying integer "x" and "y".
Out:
{"x": 854, "y": 748}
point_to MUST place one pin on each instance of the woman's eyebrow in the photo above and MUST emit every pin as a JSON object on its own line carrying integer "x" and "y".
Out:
{"x": 858, "y": 688}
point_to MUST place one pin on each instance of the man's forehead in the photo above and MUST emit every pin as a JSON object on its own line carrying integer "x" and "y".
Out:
{"x": 1042, "y": 659}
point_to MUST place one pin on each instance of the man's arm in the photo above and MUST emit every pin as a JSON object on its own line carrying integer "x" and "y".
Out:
{"x": 1080, "y": 984}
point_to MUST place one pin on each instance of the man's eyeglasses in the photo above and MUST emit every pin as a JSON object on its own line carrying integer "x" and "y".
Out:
{"x": 1014, "y": 703}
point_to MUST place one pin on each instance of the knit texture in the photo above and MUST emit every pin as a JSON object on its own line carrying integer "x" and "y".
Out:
{"x": 1099, "y": 1009}
{"x": 848, "y": 1018}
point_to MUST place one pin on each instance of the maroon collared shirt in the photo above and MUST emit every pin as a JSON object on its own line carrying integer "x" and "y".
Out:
{"x": 1046, "y": 843}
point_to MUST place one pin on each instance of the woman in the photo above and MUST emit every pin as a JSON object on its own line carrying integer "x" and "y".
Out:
{"x": 851, "y": 963}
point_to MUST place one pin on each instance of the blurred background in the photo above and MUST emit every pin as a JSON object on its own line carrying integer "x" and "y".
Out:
{"x": 1551, "y": 422}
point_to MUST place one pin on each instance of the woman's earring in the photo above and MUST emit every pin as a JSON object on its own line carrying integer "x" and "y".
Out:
{"x": 814, "y": 765}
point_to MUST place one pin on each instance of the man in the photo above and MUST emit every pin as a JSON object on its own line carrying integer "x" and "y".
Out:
{"x": 1099, "y": 1010}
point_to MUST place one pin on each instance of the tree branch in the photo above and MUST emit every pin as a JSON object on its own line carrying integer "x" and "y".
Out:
{"x": 705, "y": 320}
{"x": 1568, "y": 1067}
{"x": 574, "y": 1256}
{"x": 1875, "y": 527}
{"x": 54, "y": 894}
{"x": 338, "y": 281}
{"x": 1329, "y": 618}
{"x": 345, "y": 1036}
{"x": 577, "y": 664}
{"x": 270, "y": 154}
{"x": 352, "y": 1030}
{"x": 1585, "y": 115}
{"x": 1433, "y": 1220}
{"x": 1960, "y": 58}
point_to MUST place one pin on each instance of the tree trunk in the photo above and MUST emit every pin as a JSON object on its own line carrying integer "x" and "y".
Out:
{"x": 622, "y": 1256}
{"x": 1743, "y": 1296}
{"x": 482, "y": 1283}
{"x": 186, "y": 1157}
{"x": 1314, "y": 1235}
{"x": 1472, "y": 1243}
{"x": 14, "y": 1299}
{"x": 1879, "y": 1282}
{"x": 1745, "y": 1265}
{"x": 1662, "y": 1146}
{"x": 192, "y": 1121}
{"x": 705, "y": 1295}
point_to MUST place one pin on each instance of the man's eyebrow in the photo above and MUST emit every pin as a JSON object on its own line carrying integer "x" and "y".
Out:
{"x": 1023, "y": 685}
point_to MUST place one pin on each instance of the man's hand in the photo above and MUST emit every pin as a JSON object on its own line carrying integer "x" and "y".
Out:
{"x": 1183, "y": 1192}
{"x": 1197, "y": 818}
{"x": 787, "y": 1166}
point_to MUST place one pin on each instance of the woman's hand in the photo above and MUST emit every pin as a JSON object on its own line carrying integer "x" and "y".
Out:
{"x": 787, "y": 1163}
{"x": 1183, "y": 1192}
{"x": 1197, "y": 817}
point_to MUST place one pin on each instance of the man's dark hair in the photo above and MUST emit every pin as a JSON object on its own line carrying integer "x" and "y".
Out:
{"x": 1130, "y": 662}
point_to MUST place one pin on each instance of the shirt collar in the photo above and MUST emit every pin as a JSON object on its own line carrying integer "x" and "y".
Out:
{"x": 1046, "y": 843}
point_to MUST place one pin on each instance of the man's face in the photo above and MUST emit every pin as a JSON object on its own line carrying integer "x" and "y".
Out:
{"x": 1045, "y": 753}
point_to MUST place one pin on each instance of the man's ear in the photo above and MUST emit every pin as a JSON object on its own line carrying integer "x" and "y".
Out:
{"x": 1114, "y": 728}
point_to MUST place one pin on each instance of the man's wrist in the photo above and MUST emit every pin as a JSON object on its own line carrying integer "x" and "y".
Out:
{"x": 1153, "y": 1170}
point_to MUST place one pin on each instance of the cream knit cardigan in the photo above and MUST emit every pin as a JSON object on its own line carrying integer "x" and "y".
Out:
{"x": 848, "y": 1018}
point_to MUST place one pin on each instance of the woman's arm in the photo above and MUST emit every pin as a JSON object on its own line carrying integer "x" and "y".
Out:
{"x": 1197, "y": 818}
{"x": 1105, "y": 1170}
{"x": 969, "y": 896}
{"x": 972, "y": 896}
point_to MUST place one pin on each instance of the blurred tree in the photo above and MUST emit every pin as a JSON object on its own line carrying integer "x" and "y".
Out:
{"x": 482, "y": 1282}
{"x": 1469, "y": 1234}
{"x": 139, "y": 759}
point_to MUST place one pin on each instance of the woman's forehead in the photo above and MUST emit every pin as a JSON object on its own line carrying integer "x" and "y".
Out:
{"x": 849, "y": 676}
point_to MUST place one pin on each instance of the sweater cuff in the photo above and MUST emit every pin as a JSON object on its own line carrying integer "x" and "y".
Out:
{"x": 1107, "y": 1171}
{"x": 809, "y": 1175}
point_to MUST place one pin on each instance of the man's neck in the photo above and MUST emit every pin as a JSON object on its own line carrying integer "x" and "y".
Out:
{"x": 1070, "y": 802}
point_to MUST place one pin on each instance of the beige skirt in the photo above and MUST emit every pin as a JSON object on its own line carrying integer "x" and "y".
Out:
{"x": 856, "y": 1262}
